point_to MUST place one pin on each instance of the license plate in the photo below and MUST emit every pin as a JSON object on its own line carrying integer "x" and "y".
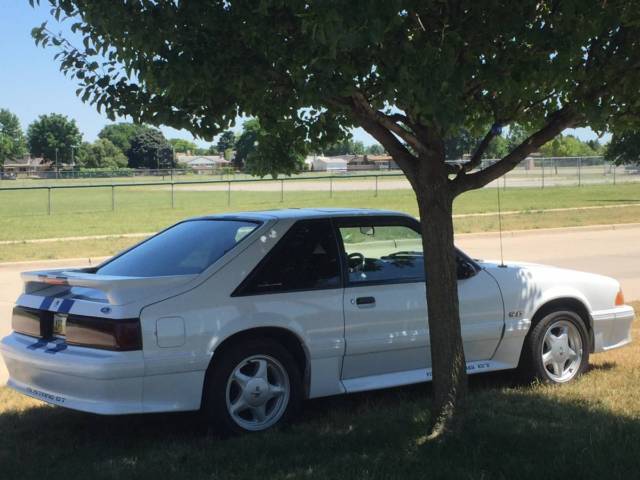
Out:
{"x": 59, "y": 324}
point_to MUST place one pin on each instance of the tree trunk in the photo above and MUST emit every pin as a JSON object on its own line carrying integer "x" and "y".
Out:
{"x": 435, "y": 203}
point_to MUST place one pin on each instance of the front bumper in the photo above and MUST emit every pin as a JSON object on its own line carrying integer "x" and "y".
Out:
{"x": 90, "y": 380}
{"x": 612, "y": 328}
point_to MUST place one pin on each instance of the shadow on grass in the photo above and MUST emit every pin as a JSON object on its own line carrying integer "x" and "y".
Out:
{"x": 606, "y": 366}
{"x": 613, "y": 200}
{"x": 512, "y": 432}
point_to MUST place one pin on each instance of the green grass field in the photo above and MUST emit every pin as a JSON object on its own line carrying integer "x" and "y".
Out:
{"x": 85, "y": 212}
{"x": 589, "y": 429}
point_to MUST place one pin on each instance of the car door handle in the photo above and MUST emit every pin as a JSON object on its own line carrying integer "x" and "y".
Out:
{"x": 365, "y": 301}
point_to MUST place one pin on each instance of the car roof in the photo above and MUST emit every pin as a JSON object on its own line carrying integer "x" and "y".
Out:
{"x": 302, "y": 213}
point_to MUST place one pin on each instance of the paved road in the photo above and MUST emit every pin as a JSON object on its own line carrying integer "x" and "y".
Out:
{"x": 604, "y": 250}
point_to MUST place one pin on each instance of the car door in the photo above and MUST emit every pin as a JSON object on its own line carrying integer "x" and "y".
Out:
{"x": 386, "y": 328}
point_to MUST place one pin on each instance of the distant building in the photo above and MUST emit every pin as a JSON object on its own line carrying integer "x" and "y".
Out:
{"x": 203, "y": 163}
{"x": 383, "y": 162}
{"x": 326, "y": 164}
{"x": 371, "y": 162}
{"x": 27, "y": 165}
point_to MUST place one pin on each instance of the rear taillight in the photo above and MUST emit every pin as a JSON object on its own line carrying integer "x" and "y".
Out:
{"x": 619, "y": 298}
{"x": 27, "y": 321}
{"x": 104, "y": 333}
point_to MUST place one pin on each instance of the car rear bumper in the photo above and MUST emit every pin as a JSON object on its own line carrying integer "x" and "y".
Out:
{"x": 612, "y": 328}
{"x": 90, "y": 380}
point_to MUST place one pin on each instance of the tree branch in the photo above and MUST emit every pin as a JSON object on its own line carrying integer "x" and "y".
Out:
{"x": 476, "y": 158}
{"x": 558, "y": 121}
{"x": 402, "y": 156}
{"x": 365, "y": 110}
{"x": 405, "y": 160}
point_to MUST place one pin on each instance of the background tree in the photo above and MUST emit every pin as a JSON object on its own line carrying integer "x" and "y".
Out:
{"x": 100, "y": 154}
{"x": 226, "y": 141}
{"x": 12, "y": 142}
{"x": 345, "y": 146}
{"x": 567, "y": 146}
{"x": 149, "y": 149}
{"x": 463, "y": 142}
{"x": 411, "y": 74}
{"x": 183, "y": 146}
{"x": 261, "y": 153}
{"x": 247, "y": 142}
{"x": 54, "y": 133}
{"x": 375, "y": 149}
{"x": 624, "y": 147}
{"x": 596, "y": 146}
{"x": 120, "y": 134}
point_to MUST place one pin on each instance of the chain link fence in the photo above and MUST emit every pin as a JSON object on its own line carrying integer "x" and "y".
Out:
{"x": 178, "y": 189}
{"x": 566, "y": 171}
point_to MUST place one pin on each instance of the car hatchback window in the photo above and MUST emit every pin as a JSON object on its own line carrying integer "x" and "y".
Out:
{"x": 305, "y": 259}
{"x": 184, "y": 249}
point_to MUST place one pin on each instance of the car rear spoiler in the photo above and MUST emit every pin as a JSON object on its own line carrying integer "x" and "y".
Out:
{"x": 118, "y": 290}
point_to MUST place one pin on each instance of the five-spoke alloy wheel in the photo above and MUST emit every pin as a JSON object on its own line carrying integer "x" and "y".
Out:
{"x": 251, "y": 386}
{"x": 257, "y": 392}
{"x": 557, "y": 348}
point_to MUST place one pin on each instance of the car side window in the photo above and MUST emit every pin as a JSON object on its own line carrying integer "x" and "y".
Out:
{"x": 306, "y": 258}
{"x": 382, "y": 253}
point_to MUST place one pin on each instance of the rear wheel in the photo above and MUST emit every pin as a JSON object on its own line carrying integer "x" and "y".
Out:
{"x": 557, "y": 348}
{"x": 252, "y": 387}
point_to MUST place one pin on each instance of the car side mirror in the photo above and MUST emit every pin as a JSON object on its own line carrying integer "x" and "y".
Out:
{"x": 465, "y": 270}
{"x": 369, "y": 231}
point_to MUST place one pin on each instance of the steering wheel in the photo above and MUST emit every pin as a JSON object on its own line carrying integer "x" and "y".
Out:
{"x": 356, "y": 260}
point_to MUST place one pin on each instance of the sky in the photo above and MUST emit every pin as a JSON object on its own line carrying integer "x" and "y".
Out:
{"x": 31, "y": 83}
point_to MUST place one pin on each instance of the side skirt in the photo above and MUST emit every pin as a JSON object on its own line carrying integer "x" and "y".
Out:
{"x": 388, "y": 380}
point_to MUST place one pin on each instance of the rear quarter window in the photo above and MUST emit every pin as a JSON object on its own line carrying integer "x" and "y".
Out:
{"x": 184, "y": 249}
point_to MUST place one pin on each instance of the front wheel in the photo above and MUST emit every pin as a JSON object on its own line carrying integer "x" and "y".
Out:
{"x": 252, "y": 387}
{"x": 557, "y": 348}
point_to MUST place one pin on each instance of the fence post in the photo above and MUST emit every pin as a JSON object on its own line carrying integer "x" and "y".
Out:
{"x": 228, "y": 193}
{"x": 504, "y": 182}
{"x": 48, "y": 200}
{"x": 579, "y": 171}
{"x": 331, "y": 187}
{"x": 281, "y": 190}
{"x": 376, "y": 191}
{"x": 113, "y": 198}
{"x": 614, "y": 173}
{"x": 542, "y": 163}
{"x": 172, "y": 195}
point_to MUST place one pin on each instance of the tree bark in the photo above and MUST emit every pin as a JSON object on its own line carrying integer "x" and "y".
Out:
{"x": 435, "y": 204}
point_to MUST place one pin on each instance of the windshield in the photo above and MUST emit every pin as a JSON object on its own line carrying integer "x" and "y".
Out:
{"x": 186, "y": 248}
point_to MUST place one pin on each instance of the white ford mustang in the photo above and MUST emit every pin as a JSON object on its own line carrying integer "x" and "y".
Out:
{"x": 244, "y": 315}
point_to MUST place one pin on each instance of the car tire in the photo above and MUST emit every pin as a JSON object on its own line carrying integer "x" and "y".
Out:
{"x": 251, "y": 387}
{"x": 556, "y": 349}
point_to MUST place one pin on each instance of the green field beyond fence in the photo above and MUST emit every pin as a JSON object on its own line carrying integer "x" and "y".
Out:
{"x": 93, "y": 211}
{"x": 49, "y": 197}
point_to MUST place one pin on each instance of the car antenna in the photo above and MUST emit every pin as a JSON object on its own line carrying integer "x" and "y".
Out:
{"x": 502, "y": 265}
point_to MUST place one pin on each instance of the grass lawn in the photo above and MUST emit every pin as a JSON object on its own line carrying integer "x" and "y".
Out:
{"x": 82, "y": 212}
{"x": 589, "y": 429}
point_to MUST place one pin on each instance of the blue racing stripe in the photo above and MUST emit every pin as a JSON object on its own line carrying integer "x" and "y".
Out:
{"x": 46, "y": 303}
{"x": 65, "y": 306}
